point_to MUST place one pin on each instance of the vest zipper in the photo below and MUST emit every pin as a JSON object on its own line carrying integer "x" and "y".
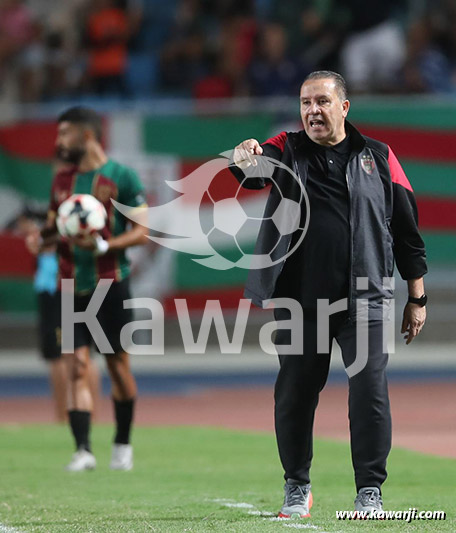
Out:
{"x": 350, "y": 263}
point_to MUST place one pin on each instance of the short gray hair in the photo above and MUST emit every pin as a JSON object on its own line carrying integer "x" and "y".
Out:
{"x": 341, "y": 86}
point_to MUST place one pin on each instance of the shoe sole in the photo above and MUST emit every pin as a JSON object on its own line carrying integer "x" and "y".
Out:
{"x": 122, "y": 469}
{"x": 80, "y": 469}
{"x": 293, "y": 516}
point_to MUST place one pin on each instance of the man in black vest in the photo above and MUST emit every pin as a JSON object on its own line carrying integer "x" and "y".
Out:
{"x": 363, "y": 218}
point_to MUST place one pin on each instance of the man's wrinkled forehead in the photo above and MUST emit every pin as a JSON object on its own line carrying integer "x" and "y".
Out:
{"x": 318, "y": 87}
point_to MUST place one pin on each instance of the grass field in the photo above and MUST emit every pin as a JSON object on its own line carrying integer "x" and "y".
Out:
{"x": 198, "y": 479}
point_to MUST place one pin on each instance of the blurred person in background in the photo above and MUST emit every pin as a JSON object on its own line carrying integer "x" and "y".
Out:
{"x": 63, "y": 63}
{"x": 183, "y": 62}
{"x": 273, "y": 72}
{"x": 374, "y": 50}
{"x": 239, "y": 31}
{"x": 28, "y": 225}
{"x": 21, "y": 51}
{"x": 134, "y": 10}
{"x": 191, "y": 52}
{"x": 107, "y": 33}
{"x": 57, "y": 66}
{"x": 209, "y": 48}
{"x": 430, "y": 66}
{"x": 217, "y": 82}
{"x": 86, "y": 261}
{"x": 312, "y": 31}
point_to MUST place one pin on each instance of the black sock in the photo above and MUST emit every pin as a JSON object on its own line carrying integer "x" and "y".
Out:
{"x": 80, "y": 426}
{"x": 124, "y": 418}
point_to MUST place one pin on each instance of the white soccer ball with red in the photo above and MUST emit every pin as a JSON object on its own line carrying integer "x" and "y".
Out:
{"x": 80, "y": 214}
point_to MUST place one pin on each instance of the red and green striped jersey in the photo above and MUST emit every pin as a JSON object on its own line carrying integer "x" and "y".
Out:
{"x": 112, "y": 180}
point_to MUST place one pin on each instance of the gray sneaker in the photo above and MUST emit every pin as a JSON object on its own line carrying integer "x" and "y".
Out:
{"x": 297, "y": 501}
{"x": 368, "y": 500}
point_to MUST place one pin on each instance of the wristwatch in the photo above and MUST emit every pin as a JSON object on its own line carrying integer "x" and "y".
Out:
{"x": 419, "y": 301}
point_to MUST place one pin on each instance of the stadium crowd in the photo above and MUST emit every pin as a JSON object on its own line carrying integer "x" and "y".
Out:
{"x": 140, "y": 48}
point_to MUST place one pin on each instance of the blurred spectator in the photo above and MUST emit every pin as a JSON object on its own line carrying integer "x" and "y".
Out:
{"x": 227, "y": 48}
{"x": 57, "y": 61}
{"x": 431, "y": 51}
{"x": 107, "y": 34}
{"x": 134, "y": 10}
{"x": 426, "y": 69}
{"x": 273, "y": 72}
{"x": 209, "y": 48}
{"x": 21, "y": 53}
{"x": 16, "y": 29}
{"x": 238, "y": 34}
{"x": 217, "y": 82}
{"x": 63, "y": 63}
{"x": 374, "y": 50}
{"x": 182, "y": 57}
{"x": 182, "y": 62}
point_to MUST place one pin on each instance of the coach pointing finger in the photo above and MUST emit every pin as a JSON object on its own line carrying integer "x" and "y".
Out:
{"x": 244, "y": 153}
{"x": 363, "y": 219}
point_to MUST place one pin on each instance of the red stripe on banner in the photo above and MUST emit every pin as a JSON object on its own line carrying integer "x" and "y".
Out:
{"x": 224, "y": 184}
{"x": 32, "y": 140}
{"x": 415, "y": 144}
{"x": 197, "y": 300}
{"x": 437, "y": 214}
{"x": 16, "y": 261}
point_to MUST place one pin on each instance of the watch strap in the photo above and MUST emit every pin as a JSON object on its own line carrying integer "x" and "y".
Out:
{"x": 422, "y": 301}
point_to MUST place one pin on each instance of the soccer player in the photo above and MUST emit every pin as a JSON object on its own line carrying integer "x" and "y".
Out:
{"x": 28, "y": 225}
{"x": 88, "y": 260}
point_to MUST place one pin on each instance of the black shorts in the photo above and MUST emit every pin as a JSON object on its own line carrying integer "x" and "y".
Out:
{"x": 112, "y": 316}
{"x": 49, "y": 324}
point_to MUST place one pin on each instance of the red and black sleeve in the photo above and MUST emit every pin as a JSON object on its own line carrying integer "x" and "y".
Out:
{"x": 409, "y": 249}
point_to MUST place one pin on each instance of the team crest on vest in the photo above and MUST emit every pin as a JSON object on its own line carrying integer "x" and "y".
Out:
{"x": 367, "y": 162}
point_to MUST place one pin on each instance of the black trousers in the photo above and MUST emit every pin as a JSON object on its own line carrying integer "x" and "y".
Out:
{"x": 301, "y": 378}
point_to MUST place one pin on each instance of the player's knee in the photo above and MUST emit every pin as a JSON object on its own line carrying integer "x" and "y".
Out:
{"x": 78, "y": 368}
{"x": 116, "y": 363}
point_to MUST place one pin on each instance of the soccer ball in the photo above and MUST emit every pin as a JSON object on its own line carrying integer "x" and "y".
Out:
{"x": 233, "y": 225}
{"x": 80, "y": 214}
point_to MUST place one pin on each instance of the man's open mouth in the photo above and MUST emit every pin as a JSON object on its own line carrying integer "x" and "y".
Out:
{"x": 316, "y": 123}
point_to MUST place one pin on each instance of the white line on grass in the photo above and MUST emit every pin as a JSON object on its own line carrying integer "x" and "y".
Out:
{"x": 7, "y": 529}
{"x": 252, "y": 510}
{"x": 240, "y": 505}
{"x": 297, "y": 525}
{"x": 303, "y": 526}
{"x": 268, "y": 516}
{"x": 260, "y": 513}
{"x": 231, "y": 503}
